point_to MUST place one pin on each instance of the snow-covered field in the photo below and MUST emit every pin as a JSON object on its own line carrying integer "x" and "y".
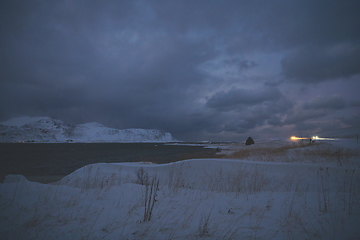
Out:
{"x": 273, "y": 190}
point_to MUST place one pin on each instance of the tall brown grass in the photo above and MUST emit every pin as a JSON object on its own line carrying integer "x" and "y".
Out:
{"x": 298, "y": 152}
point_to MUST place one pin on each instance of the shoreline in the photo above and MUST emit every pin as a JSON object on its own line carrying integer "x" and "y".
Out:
{"x": 38, "y": 179}
{"x": 45, "y": 179}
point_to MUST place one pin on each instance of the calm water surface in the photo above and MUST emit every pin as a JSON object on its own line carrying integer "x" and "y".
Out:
{"x": 48, "y": 159}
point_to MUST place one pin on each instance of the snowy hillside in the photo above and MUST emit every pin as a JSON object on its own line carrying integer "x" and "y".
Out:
{"x": 277, "y": 197}
{"x": 47, "y": 129}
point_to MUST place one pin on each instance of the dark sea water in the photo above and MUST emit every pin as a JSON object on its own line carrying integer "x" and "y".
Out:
{"x": 60, "y": 159}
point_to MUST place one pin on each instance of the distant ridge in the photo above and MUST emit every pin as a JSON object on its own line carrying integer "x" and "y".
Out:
{"x": 48, "y": 129}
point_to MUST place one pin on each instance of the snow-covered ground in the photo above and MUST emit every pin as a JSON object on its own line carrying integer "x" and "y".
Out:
{"x": 47, "y": 129}
{"x": 296, "y": 192}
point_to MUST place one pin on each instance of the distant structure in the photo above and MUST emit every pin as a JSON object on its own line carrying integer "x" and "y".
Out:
{"x": 249, "y": 141}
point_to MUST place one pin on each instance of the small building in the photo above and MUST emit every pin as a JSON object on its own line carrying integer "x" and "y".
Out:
{"x": 249, "y": 141}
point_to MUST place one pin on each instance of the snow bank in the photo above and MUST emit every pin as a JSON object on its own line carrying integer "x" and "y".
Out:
{"x": 199, "y": 198}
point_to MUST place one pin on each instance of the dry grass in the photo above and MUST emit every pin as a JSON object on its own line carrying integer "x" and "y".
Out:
{"x": 268, "y": 149}
{"x": 297, "y": 152}
{"x": 239, "y": 180}
{"x": 327, "y": 153}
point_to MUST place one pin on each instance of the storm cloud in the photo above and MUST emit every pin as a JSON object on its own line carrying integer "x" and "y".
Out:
{"x": 332, "y": 102}
{"x": 313, "y": 65}
{"x": 202, "y": 70}
{"x": 235, "y": 97}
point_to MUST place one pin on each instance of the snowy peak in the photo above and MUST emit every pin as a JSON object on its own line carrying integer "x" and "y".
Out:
{"x": 47, "y": 129}
{"x": 91, "y": 125}
{"x": 45, "y": 123}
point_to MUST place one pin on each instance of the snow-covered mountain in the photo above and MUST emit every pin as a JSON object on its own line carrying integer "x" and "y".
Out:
{"x": 47, "y": 129}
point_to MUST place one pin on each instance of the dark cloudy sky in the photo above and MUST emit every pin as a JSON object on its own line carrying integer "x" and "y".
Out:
{"x": 202, "y": 70}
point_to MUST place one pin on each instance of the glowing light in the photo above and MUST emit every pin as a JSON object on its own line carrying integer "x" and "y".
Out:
{"x": 296, "y": 138}
{"x": 313, "y": 138}
{"x": 320, "y": 138}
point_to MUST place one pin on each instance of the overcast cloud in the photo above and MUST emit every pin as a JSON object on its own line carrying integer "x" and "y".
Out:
{"x": 201, "y": 70}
